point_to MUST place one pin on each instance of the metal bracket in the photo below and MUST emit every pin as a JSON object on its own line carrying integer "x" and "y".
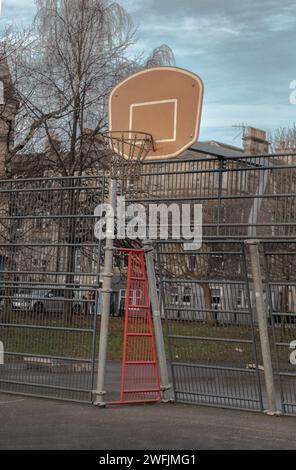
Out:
{"x": 108, "y": 248}
{"x": 106, "y": 274}
{"x": 97, "y": 393}
{"x": 164, "y": 388}
{"x": 148, "y": 246}
{"x": 108, "y": 291}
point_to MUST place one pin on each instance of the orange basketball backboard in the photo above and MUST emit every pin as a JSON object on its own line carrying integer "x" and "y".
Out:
{"x": 165, "y": 102}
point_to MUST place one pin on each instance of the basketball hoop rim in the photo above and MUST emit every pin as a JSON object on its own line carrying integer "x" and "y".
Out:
{"x": 130, "y": 137}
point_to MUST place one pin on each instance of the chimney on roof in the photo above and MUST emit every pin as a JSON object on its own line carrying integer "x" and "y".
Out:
{"x": 255, "y": 141}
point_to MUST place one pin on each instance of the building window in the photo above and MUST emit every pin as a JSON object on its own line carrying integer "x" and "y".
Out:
{"x": 216, "y": 296}
{"x": 240, "y": 299}
{"x": 244, "y": 181}
{"x": 187, "y": 295}
{"x": 193, "y": 262}
{"x": 40, "y": 223}
{"x": 174, "y": 298}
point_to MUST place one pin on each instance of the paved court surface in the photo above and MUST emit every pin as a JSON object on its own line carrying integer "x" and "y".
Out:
{"x": 29, "y": 423}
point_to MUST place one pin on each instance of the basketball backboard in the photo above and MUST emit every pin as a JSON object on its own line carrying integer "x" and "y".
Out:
{"x": 165, "y": 102}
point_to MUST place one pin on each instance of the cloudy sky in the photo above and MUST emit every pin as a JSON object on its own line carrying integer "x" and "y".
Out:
{"x": 244, "y": 50}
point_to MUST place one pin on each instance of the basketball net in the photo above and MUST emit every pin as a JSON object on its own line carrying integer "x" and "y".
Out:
{"x": 126, "y": 152}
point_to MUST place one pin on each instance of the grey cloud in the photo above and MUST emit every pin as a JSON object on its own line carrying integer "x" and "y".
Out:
{"x": 20, "y": 11}
{"x": 243, "y": 49}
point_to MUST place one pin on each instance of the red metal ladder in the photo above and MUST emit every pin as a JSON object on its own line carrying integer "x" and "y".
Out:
{"x": 139, "y": 379}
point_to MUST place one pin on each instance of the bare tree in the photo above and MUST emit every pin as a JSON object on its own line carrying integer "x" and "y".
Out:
{"x": 76, "y": 51}
{"x": 63, "y": 77}
{"x": 283, "y": 140}
{"x": 159, "y": 56}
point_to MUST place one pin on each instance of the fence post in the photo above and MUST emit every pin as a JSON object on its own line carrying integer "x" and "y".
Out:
{"x": 165, "y": 385}
{"x": 263, "y": 325}
{"x": 107, "y": 275}
{"x": 1, "y": 353}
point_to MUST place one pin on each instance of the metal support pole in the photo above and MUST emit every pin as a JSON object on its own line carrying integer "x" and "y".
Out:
{"x": 107, "y": 275}
{"x": 165, "y": 385}
{"x": 263, "y": 326}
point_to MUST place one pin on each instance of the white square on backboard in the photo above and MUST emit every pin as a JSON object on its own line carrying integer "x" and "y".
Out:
{"x": 173, "y": 136}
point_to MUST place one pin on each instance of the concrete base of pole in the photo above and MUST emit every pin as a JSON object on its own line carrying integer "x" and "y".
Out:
{"x": 99, "y": 398}
{"x": 100, "y": 404}
{"x": 273, "y": 413}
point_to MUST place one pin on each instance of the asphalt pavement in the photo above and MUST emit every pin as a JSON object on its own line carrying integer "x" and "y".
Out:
{"x": 33, "y": 423}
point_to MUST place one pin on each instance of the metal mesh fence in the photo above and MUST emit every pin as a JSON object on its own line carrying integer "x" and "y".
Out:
{"x": 280, "y": 262}
{"x": 50, "y": 264}
{"x": 50, "y": 279}
{"x": 242, "y": 197}
{"x": 210, "y": 326}
{"x": 207, "y": 294}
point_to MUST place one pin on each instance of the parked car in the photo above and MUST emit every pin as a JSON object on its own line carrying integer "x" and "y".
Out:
{"x": 41, "y": 300}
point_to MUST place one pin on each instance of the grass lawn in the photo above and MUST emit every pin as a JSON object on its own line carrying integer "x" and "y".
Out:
{"x": 31, "y": 339}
